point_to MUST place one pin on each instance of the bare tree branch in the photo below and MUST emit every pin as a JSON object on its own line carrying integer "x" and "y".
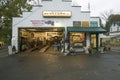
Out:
{"x": 106, "y": 14}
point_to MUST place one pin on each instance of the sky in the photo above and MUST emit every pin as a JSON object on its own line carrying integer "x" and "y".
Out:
{"x": 97, "y": 7}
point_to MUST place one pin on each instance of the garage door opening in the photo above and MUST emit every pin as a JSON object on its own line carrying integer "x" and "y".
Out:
{"x": 41, "y": 39}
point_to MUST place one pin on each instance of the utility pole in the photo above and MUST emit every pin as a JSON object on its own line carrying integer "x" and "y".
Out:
{"x": 89, "y": 6}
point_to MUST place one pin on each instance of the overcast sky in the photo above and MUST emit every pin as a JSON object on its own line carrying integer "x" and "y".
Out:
{"x": 99, "y": 6}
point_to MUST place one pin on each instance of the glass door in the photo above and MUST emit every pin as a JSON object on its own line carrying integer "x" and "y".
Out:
{"x": 93, "y": 41}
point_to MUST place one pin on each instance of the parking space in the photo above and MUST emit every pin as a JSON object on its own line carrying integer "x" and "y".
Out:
{"x": 44, "y": 66}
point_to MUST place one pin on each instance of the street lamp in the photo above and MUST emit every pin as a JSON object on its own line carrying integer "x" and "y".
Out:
{"x": 2, "y": 21}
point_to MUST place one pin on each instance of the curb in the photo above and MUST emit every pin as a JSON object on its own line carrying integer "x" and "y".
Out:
{"x": 115, "y": 50}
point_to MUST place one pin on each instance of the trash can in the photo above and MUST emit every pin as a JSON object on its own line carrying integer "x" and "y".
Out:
{"x": 10, "y": 50}
{"x": 102, "y": 50}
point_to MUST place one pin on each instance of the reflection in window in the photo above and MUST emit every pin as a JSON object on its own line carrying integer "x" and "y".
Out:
{"x": 93, "y": 24}
{"x": 76, "y": 37}
{"x": 93, "y": 40}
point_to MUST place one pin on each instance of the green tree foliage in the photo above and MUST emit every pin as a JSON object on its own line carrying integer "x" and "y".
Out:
{"x": 9, "y": 9}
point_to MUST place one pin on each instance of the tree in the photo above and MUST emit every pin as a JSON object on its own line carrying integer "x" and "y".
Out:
{"x": 9, "y": 9}
{"x": 112, "y": 19}
{"x": 105, "y": 15}
{"x": 105, "y": 19}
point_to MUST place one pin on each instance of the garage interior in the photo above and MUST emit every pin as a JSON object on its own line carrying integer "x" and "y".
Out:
{"x": 41, "y": 39}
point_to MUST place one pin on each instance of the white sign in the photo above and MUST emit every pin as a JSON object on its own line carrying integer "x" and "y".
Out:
{"x": 57, "y": 13}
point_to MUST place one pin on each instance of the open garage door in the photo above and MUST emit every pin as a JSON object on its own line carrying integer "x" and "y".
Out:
{"x": 38, "y": 38}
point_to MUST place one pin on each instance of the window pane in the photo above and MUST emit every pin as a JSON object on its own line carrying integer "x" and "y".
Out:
{"x": 85, "y": 23}
{"x": 93, "y": 40}
{"x": 93, "y": 24}
{"x": 76, "y": 37}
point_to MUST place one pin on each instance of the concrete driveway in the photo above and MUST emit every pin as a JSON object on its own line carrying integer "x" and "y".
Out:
{"x": 43, "y": 66}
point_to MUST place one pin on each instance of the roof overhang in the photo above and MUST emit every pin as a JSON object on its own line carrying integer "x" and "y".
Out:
{"x": 86, "y": 29}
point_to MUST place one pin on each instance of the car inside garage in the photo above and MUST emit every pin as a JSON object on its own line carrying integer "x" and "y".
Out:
{"x": 40, "y": 39}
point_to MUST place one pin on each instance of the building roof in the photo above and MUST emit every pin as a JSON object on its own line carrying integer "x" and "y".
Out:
{"x": 114, "y": 17}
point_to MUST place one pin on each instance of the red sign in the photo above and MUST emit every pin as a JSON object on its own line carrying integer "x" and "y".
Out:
{"x": 42, "y": 22}
{"x": 38, "y": 22}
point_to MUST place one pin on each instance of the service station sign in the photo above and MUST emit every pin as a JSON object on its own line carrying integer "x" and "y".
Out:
{"x": 57, "y": 14}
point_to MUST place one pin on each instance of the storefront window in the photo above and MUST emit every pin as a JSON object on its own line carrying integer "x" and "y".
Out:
{"x": 93, "y": 40}
{"x": 77, "y": 38}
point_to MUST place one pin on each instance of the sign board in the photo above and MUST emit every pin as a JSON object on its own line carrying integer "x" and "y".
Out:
{"x": 42, "y": 22}
{"x": 77, "y": 23}
{"x": 57, "y": 14}
{"x": 85, "y": 23}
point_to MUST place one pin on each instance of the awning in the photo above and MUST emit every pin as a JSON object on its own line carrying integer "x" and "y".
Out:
{"x": 86, "y": 29}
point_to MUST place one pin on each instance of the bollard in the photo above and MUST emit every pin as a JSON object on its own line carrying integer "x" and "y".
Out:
{"x": 10, "y": 50}
{"x": 102, "y": 50}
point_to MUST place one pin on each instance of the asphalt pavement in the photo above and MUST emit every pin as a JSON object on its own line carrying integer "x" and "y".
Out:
{"x": 3, "y": 51}
{"x": 48, "y": 66}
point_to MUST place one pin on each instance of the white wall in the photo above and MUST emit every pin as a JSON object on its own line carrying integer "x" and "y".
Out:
{"x": 36, "y": 14}
{"x": 114, "y": 30}
{"x": 87, "y": 40}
